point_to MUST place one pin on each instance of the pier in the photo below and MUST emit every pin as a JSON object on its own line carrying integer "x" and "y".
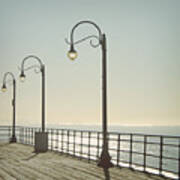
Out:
{"x": 73, "y": 154}
{"x": 18, "y": 161}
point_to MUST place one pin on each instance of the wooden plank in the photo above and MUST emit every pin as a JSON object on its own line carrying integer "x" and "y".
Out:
{"x": 18, "y": 161}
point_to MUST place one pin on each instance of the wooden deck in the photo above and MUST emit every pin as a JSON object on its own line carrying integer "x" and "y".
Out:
{"x": 18, "y": 161}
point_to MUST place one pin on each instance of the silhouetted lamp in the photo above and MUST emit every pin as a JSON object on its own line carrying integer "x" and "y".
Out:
{"x": 22, "y": 77}
{"x": 72, "y": 54}
{"x": 41, "y": 138}
{"x": 105, "y": 158}
{"x": 4, "y": 89}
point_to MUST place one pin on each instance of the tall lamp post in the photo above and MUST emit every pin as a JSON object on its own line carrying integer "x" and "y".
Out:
{"x": 41, "y": 138}
{"x": 13, "y": 138}
{"x": 105, "y": 159}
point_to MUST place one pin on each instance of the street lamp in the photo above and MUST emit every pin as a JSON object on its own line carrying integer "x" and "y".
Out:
{"x": 22, "y": 76}
{"x": 105, "y": 159}
{"x": 41, "y": 138}
{"x": 4, "y": 88}
{"x": 72, "y": 54}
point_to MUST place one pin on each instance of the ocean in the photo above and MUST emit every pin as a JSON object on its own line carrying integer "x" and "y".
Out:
{"x": 152, "y": 130}
{"x": 153, "y": 146}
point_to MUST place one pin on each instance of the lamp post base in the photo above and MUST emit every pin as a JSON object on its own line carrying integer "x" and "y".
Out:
{"x": 13, "y": 139}
{"x": 41, "y": 142}
{"x": 105, "y": 160}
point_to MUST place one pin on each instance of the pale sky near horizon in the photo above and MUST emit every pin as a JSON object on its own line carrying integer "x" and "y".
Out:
{"x": 143, "y": 46}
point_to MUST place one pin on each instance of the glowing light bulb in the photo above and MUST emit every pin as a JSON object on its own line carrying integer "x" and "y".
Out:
{"x": 22, "y": 77}
{"x": 4, "y": 89}
{"x": 72, "y": 54}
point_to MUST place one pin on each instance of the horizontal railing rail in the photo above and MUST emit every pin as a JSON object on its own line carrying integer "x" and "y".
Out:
{"x": 5, "y": 133}
{"x": 149, "y": 153}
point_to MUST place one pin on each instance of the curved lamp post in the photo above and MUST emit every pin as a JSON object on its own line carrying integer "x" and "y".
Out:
{"x": 42, "y": 69}
{"x": 13, "y": 138}
{"x": 41, "y": 138}
{"x": 105, "y": 159}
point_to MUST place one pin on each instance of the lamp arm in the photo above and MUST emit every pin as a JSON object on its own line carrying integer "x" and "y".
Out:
{"x": 37, "y": 68}
{"x": 5, "y": 76}
{"x": 85, "y": 22}
{"x": 84, "y": 39}
{"x": 28, "y": 57}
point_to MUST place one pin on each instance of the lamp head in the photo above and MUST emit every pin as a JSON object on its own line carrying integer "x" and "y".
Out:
{"x": 72, "y": 54}
{"x": 22, "y": 76}
{"x": 3, "y": 89}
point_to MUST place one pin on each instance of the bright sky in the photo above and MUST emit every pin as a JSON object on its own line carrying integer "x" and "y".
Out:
{"x": 143, "y": 46}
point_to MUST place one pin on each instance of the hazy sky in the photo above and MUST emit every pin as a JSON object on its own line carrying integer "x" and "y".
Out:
{"x": 143, "y": 46}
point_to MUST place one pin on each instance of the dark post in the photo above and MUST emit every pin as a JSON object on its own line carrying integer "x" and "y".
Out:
{"x": 118, "y": 149}
{"x": 9, "y": 131}
{"x": 23, "y": 136}
{"x": 62, "y": 142}
{"x": 51, "y": 139}
{"x": 43, "y": 97}
{"x": 81, "y": 151}
{"x": 145, "y": 148}
{"x": 41, "y": 138}
{"x": 13, "y": 139}
{"x": 67, "y": 141}
{"x": 105, "y": 159}
{"x": 130, "y": 155}
{"x": 98, "y": 134}
{"x": 74, "y": 142}
{"x": 32, "y": 132}
{"x": 179, "y": 162}
{"x": 57, "y": 139}
{"x": 161, "y": 155}
{"x": 89, "y": 146}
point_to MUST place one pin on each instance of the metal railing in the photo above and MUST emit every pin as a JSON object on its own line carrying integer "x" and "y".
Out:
{"x": 5, "y": 133}
{"x": 149, "y": 153}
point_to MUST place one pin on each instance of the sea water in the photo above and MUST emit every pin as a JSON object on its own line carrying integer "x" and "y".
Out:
{"x": 154, "y": 149}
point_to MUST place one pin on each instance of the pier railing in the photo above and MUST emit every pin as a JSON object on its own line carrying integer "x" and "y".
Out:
{"x": 149, "y": 153}
{"x": 5, "y": 133}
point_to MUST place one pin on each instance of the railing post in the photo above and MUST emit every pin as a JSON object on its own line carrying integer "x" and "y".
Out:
{"x": 20, "y": 135}
{"x": 118, "y": 148}
{"x": 89, "y": 145}
{"x": 74, "y": 141}
{"x": 9, "y": 132}
{"x": 57, "y": 139}
{"x": 161, "y": 155}
{"x": 23, "y": 135}
{"x": 32, "y": 136}
{"x": 130, "y": 155}
{"x": 179, "y": 162}
{"x": 26, "y": 136}
{"x": 62, "y": 140}
{"x": 145, "y": 150}
{"x": 29, "y": 135}
{"x": 81, "y": 144}
{"x": 51, "y": 139}
{"x": 97, "y": 155}
{"x": 68, "y": 141}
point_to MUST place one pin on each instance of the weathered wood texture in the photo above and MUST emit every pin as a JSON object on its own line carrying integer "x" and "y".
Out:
{"x": 18, "y": 162}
